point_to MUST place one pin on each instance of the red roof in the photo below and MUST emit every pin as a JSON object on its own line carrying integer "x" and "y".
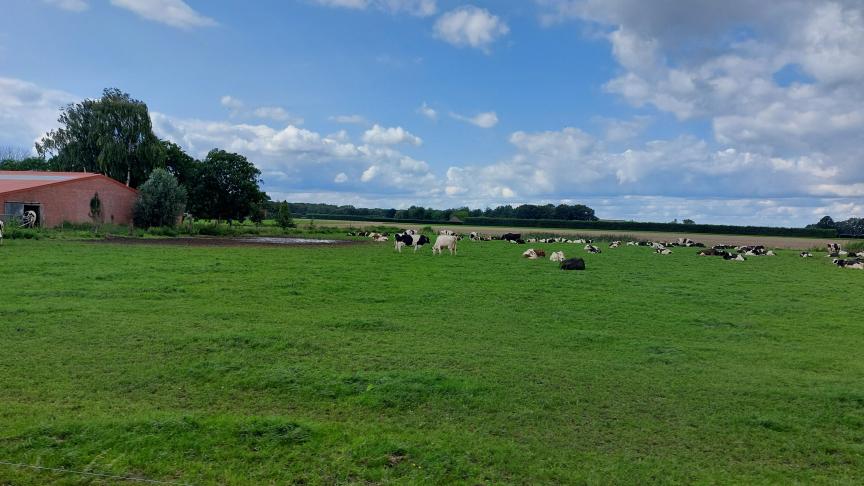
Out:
{"x": 14, "y": 180}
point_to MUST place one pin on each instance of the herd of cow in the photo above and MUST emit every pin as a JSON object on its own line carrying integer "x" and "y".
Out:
{"x": 449, "y": 239}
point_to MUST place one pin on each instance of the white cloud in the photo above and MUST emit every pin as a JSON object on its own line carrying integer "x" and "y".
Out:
{"x": 717, "y": 63}
{"x": 301, "y": 159}
{"x": 616, "y": 130}
{"x": 70, "y": 5}
{"x": 428, "y": 111}
{"x": 420, "y": 8}
{"x": 238, "y": 109}
{"x": 175, "y": 13}
{"x": 470, "y": 26}
{"x": 231, "y": 102}
{"x": 378, "y": 135}
{"x": 349, "y": 119}
{"x": 28, "y": 111}
{"x": 483, "y": 120}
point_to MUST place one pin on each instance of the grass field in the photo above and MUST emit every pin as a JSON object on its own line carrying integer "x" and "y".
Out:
{"x": 355, "y": 364}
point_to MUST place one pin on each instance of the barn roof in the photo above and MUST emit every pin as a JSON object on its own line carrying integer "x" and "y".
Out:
{"x": 14, "y": 180}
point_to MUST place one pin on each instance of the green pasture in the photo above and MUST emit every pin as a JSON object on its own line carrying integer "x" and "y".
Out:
{"x": 358, "y": 365}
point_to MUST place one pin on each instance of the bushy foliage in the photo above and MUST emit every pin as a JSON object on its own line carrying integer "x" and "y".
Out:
{"x": 161, "y": 201}
{"x": 112, "y": 135}
{"x": 29, "y": 163}
{"x": 283, "y": 216}
{"x": 850, "y": 227}
{"x": 226, "y": 187}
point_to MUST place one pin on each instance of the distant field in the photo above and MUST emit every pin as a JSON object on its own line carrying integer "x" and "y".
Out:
{"x": 354, "y": 364}
{"x": 708, "y": 239}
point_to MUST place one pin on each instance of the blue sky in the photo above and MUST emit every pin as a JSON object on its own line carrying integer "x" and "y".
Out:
{"x": 644, "y": 110}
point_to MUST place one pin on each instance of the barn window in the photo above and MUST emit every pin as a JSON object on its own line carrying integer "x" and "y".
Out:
{"x": 14, "y": 209}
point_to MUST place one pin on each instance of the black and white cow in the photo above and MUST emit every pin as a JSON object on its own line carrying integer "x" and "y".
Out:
{"x": 410, "y": 240}
{"x": 592, "y": 249}
{"x": 29, "y": 219}
{"x": 856, "y": 263}
{"x": 2, "y": 226}
{"x": 806, "y": 254}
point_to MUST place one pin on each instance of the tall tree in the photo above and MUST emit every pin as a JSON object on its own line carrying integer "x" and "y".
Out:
{"x": 226, "y": 187}
{"x": 112, "y": 135}
{"x": 179, "y": 163}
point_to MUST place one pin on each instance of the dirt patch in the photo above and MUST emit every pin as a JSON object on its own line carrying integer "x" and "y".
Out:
{"x": 240, "y": 241}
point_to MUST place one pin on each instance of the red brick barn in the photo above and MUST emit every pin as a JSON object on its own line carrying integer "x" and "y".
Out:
{"x": 57, "y": 197}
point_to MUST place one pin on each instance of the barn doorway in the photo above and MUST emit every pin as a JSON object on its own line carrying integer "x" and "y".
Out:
{"x": 36, "y": 208}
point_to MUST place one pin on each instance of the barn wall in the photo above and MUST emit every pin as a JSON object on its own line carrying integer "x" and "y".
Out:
{"x": 70, "y": 201}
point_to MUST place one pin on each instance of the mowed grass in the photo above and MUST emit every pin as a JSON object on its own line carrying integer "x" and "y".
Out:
{"x": 355, "y": 364}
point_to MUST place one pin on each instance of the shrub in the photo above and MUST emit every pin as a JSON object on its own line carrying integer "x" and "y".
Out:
{"x": 283, "y": 216}
{"x": 161, "y": 201}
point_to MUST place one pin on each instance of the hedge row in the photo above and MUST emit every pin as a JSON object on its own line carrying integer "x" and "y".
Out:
{"x": 718, "y": 229}
{"x": 659, "y": 227}
{"x": 351, "y": 217}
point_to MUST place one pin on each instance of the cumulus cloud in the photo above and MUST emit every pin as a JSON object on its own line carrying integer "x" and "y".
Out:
{"x": 378, "y": 135}
{"x": 70, "y": 5}
{"x": 428, "y": 111}
{"x": 483, "y": 120}
{"x": 718, "y": 63}
{"x": 419, "y": 8}
{"x": 27, "y": 111}
{"x": 470, "y": 26}
{"x": 175, "y": 13}
{"x": 299, "y": 159}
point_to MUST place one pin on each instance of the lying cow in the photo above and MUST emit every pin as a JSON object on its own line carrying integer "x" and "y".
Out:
{"x": 445, "y": 241}
{"x": 573, "y": 264}
{"x": 410, "y": 240}
{"x": 2, "y": 226}
{"x": 615, "y": 244}
{"x": 557, "y": 256}
{"x": 856, "y": 263}
{"x": 446, "y": 232}
{"x": 592, "y": 249}
{"x": 511, "y": 237}
{"x": 663, "y": 251}
{"x": 730, "y": 257}
{"x": 533, "y": 254}
{"x": 805, "y": 254}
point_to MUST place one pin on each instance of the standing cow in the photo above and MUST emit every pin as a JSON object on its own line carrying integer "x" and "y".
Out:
{"x": 29, "y": 219}
{"x": 445, "y": 241}
{"x": 410, "y": 240}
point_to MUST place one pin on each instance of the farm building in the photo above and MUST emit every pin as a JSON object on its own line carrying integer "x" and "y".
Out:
{"x": 58, "y": 197}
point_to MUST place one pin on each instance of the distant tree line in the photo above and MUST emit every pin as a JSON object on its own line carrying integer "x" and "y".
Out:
{"x": 566, "y": 212}
{"x": 850, "y": 227}
{"x": 113, "y": 135}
